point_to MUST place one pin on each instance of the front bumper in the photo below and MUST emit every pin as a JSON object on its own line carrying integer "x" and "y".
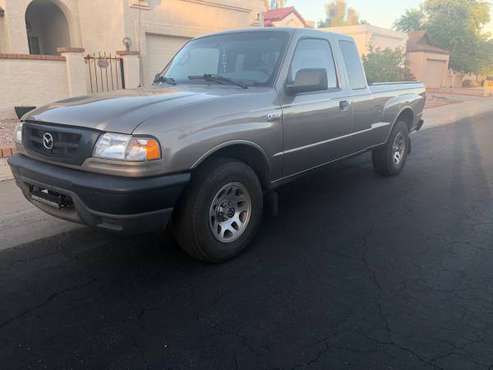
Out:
{"x": 114, "y": 203}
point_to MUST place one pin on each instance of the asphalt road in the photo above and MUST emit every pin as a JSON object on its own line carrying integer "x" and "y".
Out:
{"x": 357, "y": 272}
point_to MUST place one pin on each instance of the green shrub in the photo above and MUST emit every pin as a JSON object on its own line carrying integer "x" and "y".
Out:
{"x": 386, "y": 65}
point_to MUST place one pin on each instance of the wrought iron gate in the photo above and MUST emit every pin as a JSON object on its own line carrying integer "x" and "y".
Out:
{"x": 105, "y": 72}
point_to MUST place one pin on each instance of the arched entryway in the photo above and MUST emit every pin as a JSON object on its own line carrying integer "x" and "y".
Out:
{"x": 47, "y": 27}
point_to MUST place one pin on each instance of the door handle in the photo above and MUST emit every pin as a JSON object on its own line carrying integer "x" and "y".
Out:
{"x": 344, "y": 105}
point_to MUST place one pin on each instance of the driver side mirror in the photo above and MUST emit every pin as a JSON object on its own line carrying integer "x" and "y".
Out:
{"x": 157, "y": 78}
{"x": 306, "y": 80}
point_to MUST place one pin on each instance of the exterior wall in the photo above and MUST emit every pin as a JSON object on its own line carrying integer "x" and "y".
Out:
{"x": 456, "y": 79}
{"x": 15, "y": 24}
{"x": 105, "y": 23}
{"x": 31, "y": 82}
{"x": 102, "y": 22}
{"x": 3, "y": 30}
{"x": 290, "y": 21}
{"x": 367, "y": 35}
{"x": 189, "y": 18}
{"x": 16, "y": 27}
{"x": 420, "y": 63}
{"x": 417, "y": 64}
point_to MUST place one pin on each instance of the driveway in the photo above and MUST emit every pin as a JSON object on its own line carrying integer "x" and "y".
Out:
{"x": 357, "y": 272}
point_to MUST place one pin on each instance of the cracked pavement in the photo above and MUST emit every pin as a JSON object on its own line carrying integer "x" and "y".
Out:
{"x": 357, "y": 272}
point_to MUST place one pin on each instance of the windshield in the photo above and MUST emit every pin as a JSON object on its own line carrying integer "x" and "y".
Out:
{"x": 252, "y": 58}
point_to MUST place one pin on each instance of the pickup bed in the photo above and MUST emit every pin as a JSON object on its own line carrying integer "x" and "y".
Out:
{"x": 232, "y": 117}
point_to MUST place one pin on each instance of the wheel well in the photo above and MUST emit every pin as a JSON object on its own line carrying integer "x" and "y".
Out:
{"x": 248, "y": 154}
{"x": 407, "y": 115}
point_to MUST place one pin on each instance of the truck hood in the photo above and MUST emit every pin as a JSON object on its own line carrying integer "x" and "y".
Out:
{"x": 121, "y": 113}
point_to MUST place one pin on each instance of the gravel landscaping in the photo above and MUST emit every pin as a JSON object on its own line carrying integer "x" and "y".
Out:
{"x": 7, "y": 131}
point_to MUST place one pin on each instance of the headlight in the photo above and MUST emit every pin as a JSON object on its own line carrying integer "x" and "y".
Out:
{"x": 127, "y": 148}
{"x": 18, "y": 133}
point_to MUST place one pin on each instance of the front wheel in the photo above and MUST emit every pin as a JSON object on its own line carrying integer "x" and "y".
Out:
{"x": 390, "y": 159}
{"x": 220, "y": 212}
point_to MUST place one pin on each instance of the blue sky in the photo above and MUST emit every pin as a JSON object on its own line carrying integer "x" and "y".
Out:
{"x": 378, "y": 12}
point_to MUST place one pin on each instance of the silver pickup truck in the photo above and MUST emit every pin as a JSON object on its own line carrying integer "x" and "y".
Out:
{"x": 232, "y": 117}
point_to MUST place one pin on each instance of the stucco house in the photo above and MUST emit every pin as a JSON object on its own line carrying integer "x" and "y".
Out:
{"x": 367, "y": 36}
{"x": 284, "y": 17}
{"x": 40, "y": 38}
{"x": 427, "y": 62}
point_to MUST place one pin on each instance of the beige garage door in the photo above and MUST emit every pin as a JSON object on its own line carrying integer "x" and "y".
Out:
{"x": 159, "y": 51}
{"x": 434, "y": 73}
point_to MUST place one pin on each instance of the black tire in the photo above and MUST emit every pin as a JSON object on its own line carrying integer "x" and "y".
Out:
{"x": 192, "y": 226}
{"x": 384, "y": 160}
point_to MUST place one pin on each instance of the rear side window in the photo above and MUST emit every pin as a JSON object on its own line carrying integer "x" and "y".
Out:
{"x": 317, "y": 54}
{"x": 352, "y": 61}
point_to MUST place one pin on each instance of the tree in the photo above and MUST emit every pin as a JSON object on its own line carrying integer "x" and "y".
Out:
{"x": 339, "y": 14}
{"x": 487, "y": 57}
{"x": 386, "y": 65}
{"x": 457, "y": 26}
{"x": 412, "y": 20}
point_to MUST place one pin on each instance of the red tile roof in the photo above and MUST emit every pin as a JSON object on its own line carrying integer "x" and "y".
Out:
{"x": 276, "y": 15}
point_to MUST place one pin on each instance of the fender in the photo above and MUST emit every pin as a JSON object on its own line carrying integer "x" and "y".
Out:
{"x": 228, "y": 144}
{"x": 407, "y": 107}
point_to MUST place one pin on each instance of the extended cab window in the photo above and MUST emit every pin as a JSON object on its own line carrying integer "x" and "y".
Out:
{"x": 352, "y": 61}
{"x": 317, "y": 54}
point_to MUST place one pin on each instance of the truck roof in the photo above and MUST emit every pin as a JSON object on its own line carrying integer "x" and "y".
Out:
{"x": 291, "y": 30}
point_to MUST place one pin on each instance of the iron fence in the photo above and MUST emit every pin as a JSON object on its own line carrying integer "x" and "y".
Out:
{"x": 105, "y": 72}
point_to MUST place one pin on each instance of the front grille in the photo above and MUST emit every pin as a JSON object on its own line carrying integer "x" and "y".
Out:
{"x": 64, "y": 143}
{"x": 70, "y": 145}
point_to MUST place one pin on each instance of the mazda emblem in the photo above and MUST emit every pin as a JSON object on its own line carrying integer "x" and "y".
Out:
{"x": 48, "y": 141}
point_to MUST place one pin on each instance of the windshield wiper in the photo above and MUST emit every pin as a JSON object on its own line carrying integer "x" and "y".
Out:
{"x": 167, "y": 80}
{"x": 218, "y": 79}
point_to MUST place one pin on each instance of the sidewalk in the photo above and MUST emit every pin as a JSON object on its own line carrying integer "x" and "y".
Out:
{"x": 448, "y": 114}
{"x": 461, "y": 91}
{"x": 5, "y": 173}
{"x": 21, "y": 222}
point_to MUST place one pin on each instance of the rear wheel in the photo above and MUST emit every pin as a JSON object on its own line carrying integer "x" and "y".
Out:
{"x": 390, "y": 159}
{"x": 220, "y": 212}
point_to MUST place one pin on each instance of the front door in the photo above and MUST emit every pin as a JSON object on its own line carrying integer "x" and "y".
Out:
{"x": 314, "y": 122}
